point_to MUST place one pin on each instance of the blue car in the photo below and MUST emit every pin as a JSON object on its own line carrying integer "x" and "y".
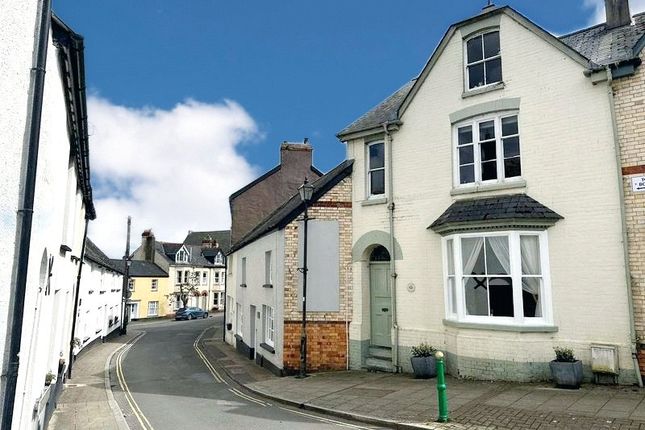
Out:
{"x": 190, "y": 313}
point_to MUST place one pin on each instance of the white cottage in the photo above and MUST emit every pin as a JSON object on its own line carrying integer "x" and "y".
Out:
{"x": 44, "y": 125}
{"x": 487, "y": 209}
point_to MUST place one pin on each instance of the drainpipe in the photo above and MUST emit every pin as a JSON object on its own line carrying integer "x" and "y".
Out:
{"x": 225, "y": 298}
{"x": 76, "y": 295}
{"x": 621, "y": 193}
{"x": 390, "y": 207}
{"x": 25, "y": 211}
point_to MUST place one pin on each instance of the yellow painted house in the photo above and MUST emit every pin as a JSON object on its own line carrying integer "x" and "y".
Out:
{"x": 151, "y": 291}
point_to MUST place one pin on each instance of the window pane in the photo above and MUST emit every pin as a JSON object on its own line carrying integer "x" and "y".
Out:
{"x": 450, "y": 258}
{"x": 488, "y": 150}
{"x": 377, "y": 182}
{"x": 467, "y": 174}
{"x": 377, "y": 156}
{"x": 511, "y": 146}
{"x": 465, "y": 135}
{"x": 494, "y": 71}
{"x": 476, "y": 296}
{"x": 466, "y": 155}
{"x": 501, "y": 297}
{"x": 489, "y": 170}
{"x": 531, "y": 293}
{"x": 486, "y": 130}
{"x": 476, "y": 75}
{"x": 474, "y": 49}
{"x": 453, "y": 295}
{"x": 530, "y": 250}
{"x": 491, "y": 44}
{"x": 472, "y": 254}
{"x": 497, "y": 256}
{"x": 509, "y": 125}
{"x": 512, "y": 167}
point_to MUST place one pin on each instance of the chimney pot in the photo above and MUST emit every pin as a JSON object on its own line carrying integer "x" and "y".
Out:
{"x": 617, "y": 12}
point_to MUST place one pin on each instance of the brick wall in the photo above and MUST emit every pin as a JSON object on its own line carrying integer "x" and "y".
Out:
{"x": 325, "y": 330}
{"x": 326, "y": 346}
{"x": 629, "y": 96}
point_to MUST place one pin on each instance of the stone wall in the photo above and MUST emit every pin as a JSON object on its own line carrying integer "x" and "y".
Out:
{"x": 327, "y": 337}
{"x": 629, "y": 96}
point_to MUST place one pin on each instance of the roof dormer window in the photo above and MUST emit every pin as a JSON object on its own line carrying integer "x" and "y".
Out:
{"x": 219, "y": 258}
{"x": 182, "y": 256}
{"x": 483, "y": 60}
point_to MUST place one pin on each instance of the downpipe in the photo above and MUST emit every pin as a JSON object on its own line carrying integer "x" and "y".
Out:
{"x": 621, "y": 193}
{"x": 393, "y": 275}
{"x": 25, "y": 212}
{"x": 76, "y": 296}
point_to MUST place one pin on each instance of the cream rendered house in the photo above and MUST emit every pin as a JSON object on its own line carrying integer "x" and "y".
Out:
{"x": 487, "y": 209}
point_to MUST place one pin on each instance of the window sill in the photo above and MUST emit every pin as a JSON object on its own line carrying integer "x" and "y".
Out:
{"x": 374, "y": 201}
{"x": 480, "y": 188}
{"x": 242, "y": 285}
{"x": 482, "y": 90}
{"x": 267, "y": 286}
{"x": 502, "y": 327}
{"x": 268, "y": 347}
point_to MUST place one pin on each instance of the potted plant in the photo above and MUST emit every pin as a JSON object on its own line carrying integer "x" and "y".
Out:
{"x": 49, "y": 378}
{"x": 423, "y": 362}
{"x": 566, "y": 370}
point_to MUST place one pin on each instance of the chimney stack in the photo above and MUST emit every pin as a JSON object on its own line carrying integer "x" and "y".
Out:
{"x": 148, "y": 244}
{"x": 296, "y": 154}
{"x": 617, "y": 12}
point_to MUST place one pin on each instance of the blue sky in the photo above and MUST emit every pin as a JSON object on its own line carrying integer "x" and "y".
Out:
{"x": 295, "y": 68}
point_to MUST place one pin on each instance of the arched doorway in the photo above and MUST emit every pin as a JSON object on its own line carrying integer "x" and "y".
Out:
{"x": 380, "y": 297}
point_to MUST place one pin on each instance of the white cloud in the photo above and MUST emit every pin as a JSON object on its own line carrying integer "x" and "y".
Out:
{"x": 171, "y": 170}
{"x": 598, "y": 6}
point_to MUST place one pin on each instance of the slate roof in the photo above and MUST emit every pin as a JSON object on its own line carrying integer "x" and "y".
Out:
{"x": 142, "y": 269}
{"x": 294, "y": 206}
{"x": 601, "y": 47}
{"x": 387, "y": 110}
{"x": 498, "y": 208}
{"x": 605, "y": 47}
{"x": 93, "y": 253}
{"x": 223, "y": 238}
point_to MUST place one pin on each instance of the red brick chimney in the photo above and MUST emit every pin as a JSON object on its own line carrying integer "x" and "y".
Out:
{"x": 617, "y": 12}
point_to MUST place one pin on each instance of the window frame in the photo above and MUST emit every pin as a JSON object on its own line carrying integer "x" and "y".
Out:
{"x": 268, "y": 268}
{"x": 474, "y": 122}
{"x": 518, "y": 320}
{"x": 131, "y": 285}
{"x": 482, "y": 61}
{"x": 154, "y": 285}
{"x": 216, "y": 277}
{"x": 219, "y": 259}
{"x": 243, "y": 271}
{"x": 269, "y": 329}
{"x": 369, "y": 170}
{"x": 156, "y": 308}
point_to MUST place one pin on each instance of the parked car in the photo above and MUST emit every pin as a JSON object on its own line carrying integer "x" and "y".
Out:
{"x": 190, "y": 313}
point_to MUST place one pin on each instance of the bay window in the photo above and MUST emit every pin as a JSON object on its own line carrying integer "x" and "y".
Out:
{"x": 497, "y": 277}
{"x": 487, "y": 149}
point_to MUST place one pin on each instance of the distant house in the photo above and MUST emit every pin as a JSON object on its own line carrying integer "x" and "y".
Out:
{"x": 49, "y": 257}
{"x": 195, "y": 272}
{"x": 264, "y": 295}
{"x": 150, "y": 289}
{"x": 489, "y": 203}
{"x": 255, "y": 201}
{"x": 99, "y": 299}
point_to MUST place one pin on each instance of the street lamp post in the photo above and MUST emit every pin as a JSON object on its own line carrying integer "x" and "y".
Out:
{"x": 306, "y": 191}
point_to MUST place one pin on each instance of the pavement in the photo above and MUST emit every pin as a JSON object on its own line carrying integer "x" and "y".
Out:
{"x": 391, "y": 400}
{"x": 86, "y": 402}
{"x": 400, "y": 401}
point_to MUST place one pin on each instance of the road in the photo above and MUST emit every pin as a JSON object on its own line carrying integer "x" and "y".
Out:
{"x": 170, "y": 387}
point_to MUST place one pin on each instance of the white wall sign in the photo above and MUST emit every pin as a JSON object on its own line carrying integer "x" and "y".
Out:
{"x": 638, "y": 184}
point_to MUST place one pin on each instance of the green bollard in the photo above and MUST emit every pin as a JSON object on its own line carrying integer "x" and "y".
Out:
{"x": 442, "y": 396}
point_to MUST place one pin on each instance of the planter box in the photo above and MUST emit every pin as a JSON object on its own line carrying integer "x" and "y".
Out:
{"x": 566, "y": 375}
{"x": 424, "y": 367}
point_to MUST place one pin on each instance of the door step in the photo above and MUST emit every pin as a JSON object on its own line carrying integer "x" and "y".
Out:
{"x": 379, "y": 365}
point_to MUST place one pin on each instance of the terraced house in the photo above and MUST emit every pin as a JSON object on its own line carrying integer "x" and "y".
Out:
{"x": 496, "y": 200}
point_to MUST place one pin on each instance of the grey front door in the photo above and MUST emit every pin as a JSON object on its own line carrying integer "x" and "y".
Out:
{"x": 380, "y": 303}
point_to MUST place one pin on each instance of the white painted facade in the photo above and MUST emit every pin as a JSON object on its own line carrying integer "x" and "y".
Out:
{"x": 58, "y": 219}
{"x": 209, "y": 280}
{"x": 568, "y": 165}
{"x": 248, "y": 295}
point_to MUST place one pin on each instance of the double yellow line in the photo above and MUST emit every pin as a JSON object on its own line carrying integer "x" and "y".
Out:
{"x": 143, "y": 421}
